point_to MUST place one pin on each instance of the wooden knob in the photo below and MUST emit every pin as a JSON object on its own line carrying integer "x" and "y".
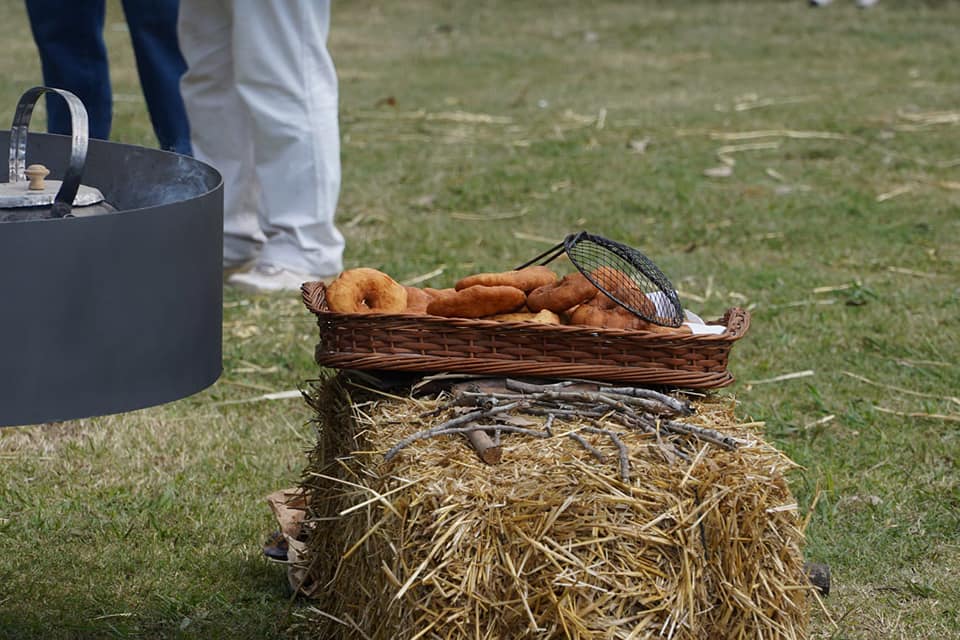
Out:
{"x": 35, "y": 174}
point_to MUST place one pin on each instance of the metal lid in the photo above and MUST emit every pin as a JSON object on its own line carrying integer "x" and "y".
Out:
{"x": 39, "y": 192}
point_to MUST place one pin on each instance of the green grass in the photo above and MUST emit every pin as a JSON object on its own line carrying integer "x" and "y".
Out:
{"x": 149, "y": 524}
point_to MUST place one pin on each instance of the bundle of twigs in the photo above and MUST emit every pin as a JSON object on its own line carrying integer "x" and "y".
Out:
{"x": 628, "y": 407}
{"x": 692, "y": 533}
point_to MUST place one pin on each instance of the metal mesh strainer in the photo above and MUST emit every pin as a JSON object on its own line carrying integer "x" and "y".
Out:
{"x": 624, "y": 274}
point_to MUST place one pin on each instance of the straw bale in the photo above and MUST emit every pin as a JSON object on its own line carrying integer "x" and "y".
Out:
{"x": 550, "y": 542}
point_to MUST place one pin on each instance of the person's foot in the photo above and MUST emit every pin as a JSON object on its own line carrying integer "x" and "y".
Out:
{"x": 264, "y": 277}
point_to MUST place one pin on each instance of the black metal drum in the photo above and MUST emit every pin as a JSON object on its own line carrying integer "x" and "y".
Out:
{"x": 114, "y": 311}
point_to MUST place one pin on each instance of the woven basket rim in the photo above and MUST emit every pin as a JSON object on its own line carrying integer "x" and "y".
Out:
{"x": 736, "y": 320}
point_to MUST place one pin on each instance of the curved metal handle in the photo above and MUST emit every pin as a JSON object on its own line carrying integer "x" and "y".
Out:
{"x": 63, "y": 202}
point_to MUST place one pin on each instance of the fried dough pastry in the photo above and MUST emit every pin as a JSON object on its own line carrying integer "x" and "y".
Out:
{"x": 365, "y": 290}
{"x": 477, "y": 301}
{"x": 417, "y": 300}
{"x": 616, "y": 318}
{"x": 526, "y": 279}
{"x": 604, "y": 312}
{"x": 570, "y": 291}
{"x": 545, "y": 316}
{"x": 622, "y": 287}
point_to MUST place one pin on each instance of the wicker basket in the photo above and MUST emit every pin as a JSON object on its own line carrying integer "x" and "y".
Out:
{"x": 424, "y": 343}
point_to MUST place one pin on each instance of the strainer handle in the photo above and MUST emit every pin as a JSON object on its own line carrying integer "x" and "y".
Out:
{"x": 63, "y": 202}
{"x": 552, "y": 253}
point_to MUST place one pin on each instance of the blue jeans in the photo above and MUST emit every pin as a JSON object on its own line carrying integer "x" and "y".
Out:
{"x": 73, "y": 55}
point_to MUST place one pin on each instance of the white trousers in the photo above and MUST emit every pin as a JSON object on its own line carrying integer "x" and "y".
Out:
{"x": 261, "y": 95}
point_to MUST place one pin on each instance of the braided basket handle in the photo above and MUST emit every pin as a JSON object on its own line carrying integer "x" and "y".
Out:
{"x": 314, "y": 295}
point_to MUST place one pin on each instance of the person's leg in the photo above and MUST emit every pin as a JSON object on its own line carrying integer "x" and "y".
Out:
{"x": 219, "y": 124}
{"x": 286, "y": 78}
{"x": 153, "y": 31}
{"x": 73, "y": 56}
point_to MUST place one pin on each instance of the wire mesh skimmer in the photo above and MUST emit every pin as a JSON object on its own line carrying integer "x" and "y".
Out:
{"x": 624, "y": 274}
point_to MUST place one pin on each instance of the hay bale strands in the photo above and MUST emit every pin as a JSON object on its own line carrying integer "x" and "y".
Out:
{"x": 701, "y": 539}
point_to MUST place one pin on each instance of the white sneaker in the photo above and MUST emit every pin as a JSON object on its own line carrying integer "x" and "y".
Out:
{"x": 266, "y": 278}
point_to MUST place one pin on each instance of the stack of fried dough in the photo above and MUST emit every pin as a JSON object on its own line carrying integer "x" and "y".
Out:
{"x": 535, "y": 294}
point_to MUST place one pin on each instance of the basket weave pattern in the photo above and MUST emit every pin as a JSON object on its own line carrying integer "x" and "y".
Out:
{"x": 409, "y": 342}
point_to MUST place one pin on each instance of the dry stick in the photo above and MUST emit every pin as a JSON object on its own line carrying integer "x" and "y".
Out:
{"x": 536, "y": 433}
{"x": 573, "y": 435}
{"x": 486, "y": 447}
{"x": 429, "y": 433}
{"x": 475, "y": 398}
{"x": 651, "y": 406}
{"x": 548, "y": 425}
{"x": 663, "y": 405}
{"x": 437, "y": 410}
{"x": 474, "y": 415}
{"x": 560, "y": 411}
{"x": 914, "y": 414}
{"x": 520, "y": 385}
{"x": 592, "y": 397}
{"x": 645, "y": 421}
{"x": 464, "y": 419}
{"x": 571, "y": 403}
{"x": 671, "y": 448}
{"x": 585, "y": 397}
{"x": 900, "y": 389}
{"x": 680, "y": 406}
{"x": 702, "y": 433}
{"x": 670, "y": 452}
{"x": 643, "y": 404}
{"x": 651, "y": 403}
{"x": 551, "y": 416}
{"x": 624, "y": 455}
{"x": 526, "y": 387}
